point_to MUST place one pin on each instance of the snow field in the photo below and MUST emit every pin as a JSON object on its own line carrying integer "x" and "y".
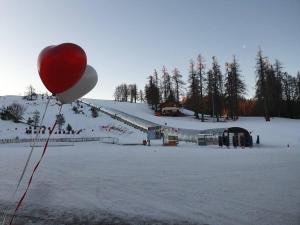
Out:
{"x": 94, "y": 183}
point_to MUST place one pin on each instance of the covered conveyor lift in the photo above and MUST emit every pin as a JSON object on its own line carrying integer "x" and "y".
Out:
{"x": 230, "y": 136}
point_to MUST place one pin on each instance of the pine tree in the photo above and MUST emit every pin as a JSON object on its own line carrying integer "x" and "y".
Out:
{"x": 217, "y": 88}
{"x": 294, "y": 97}
{"x": 278, "y": 88}
{"x": 271, "y": 89}
{"x": 261, "y": 86}
{"x": 69, "y": 128}
{"x": 149, "y": 92}
{"x": 156, "y": 81}
{"x": 229, "y": 91}
{"x": 178, "y": 84}
{"x": 156, "y": 78}
{"x": 290, "y": 95}
{"x": 209, "y": 91}
{"x": 152, "y": 94}
{"x": 166, "y": 85}
{"x": 234, "y": 88}
{"x": 200, "y": 74}
{"x": 193, "y": 92}
{"x": 60, "y": 120}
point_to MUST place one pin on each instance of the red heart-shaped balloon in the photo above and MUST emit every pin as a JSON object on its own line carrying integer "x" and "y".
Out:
{"x": 61, "y": 66}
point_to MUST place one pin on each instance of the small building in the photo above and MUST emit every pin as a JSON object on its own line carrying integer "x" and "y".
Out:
{"x": 170, "y": 108}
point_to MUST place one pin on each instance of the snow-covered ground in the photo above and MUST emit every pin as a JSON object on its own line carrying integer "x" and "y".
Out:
{"x": 102, "y": 126}
{"x": 94, "y": 183}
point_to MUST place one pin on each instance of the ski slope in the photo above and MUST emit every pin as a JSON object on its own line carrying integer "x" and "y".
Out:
{"x": 96, "y": 183}
{"x": 102, "y": 126}
{"x": 279, "y": 132}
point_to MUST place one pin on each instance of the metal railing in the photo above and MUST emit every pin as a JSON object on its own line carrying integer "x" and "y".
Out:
{"x": 135, "y": 122}
{"x": 109, "y": 140}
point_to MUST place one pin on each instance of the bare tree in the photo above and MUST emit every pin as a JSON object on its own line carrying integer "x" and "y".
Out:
{"x": 16, "y": 112}
{"x": 141, "y": 96}
{"x": 30, "y": 93}
{"x": 118, "y": 93}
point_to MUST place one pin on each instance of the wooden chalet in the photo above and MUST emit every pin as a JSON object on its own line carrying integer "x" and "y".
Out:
{"x": 170, "y": 108}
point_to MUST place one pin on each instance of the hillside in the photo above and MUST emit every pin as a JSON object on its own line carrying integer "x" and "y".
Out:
{"x": 278, "y": 132}
{"x": 96, "y": 183}
{"x": 88, "y": 126}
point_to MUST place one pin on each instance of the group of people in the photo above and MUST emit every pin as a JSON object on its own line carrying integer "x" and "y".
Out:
{"x": 43, "y": 130}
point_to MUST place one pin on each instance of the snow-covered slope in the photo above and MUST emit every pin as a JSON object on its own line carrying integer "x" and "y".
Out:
{"x": 101, "y": 126}
{"x": 278, "y": 132}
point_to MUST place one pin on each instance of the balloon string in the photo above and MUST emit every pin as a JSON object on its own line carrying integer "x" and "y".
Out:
{"x": 34, "y": 170}
{"x": 28, "y": 158}
{"x": 32, "y": 147}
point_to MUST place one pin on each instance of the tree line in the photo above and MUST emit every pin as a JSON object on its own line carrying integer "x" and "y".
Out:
{"x": 277, "y": 92}
{"x": 206, "y": 91}
{"x": 128, "y": 92}
{"x": 209, "y": 91}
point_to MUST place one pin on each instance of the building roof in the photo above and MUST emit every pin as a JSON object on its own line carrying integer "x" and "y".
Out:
{"x": 169, "y": 104}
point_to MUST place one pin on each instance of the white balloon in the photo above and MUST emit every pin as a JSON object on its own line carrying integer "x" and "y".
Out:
{"x": 86, "y": 83}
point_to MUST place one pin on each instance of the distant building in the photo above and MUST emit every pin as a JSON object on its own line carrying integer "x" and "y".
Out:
{"x": 170, "y": 108}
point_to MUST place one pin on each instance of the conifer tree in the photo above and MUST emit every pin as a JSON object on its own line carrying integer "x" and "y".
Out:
{"x": 261, "y": 84}
{"x": 152, "y": 94}
{"x": 209, "y": 91}
{"x": 193, "y": 92}
{"x": 234, "y": 88}
{"x": 60, "y": 120}
{"x": 178, "y": 84}
{"x": 278, "y": 88}
{"x": 200, "y": 74}
{"x": 217, "y": 88}
{"x": 166, "y": 85}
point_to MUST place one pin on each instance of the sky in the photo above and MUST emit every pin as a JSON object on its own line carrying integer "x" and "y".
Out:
{"x": 125, "y": 40}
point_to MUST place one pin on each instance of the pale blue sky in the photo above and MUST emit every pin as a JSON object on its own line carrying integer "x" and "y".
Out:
{"x": 126, "y": 40}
